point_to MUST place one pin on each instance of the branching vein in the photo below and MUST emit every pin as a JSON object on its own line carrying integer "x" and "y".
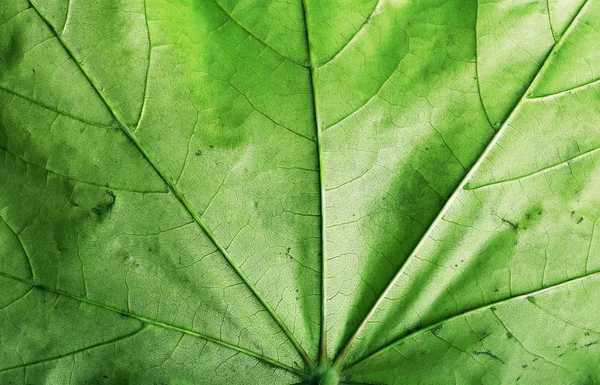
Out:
{"x": 153, "y": 322}
{"x": 180, "y": 196}
{"x": 467, "y": 313}
{"x": 538, "y": 76}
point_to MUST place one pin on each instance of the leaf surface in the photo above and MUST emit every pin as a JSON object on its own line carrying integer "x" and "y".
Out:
{"x": 350, "y": 191}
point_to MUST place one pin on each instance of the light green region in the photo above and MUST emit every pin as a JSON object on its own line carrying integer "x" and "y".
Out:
{"x": 308, "y": 192}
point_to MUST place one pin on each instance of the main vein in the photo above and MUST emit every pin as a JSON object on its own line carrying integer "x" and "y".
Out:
{"x": 318, "y": 125}
{"x": 180, "y": 196}
{"x": 489, "y": 306}
{"x": 154, "y": 322}
{"x": 539, "y": 74}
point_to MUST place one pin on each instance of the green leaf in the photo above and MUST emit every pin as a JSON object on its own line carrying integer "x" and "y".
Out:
{"x": 299, "y": 192}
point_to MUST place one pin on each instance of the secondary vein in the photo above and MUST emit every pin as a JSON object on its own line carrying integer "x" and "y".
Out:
{"x": 53, "y": 109}
{"x": 74, "y": 352}
{"x": 255, "y": 37}
{"x": 180, "y": 196}
{"x": 355, "y": 35}
{"x": 147, "y": 78}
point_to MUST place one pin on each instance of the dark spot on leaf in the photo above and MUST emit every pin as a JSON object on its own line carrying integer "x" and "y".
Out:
{"x": 586, "y": 333}
{"x": 198, "y": 152}
{"x": 73, "y": 203}
{"x": 509, "y": 335}
{"x": 211, "y": 146}
{"x": 12, "y": 53}
{"x": 102, "y": 209}
{"x": 591, "y": 343}
{"x": 531, "y": 299}
{"x": 514, "y": 225}
{"x": 580, "y": 220}
{"x": 487, "y": 353}
{"x": 112, "y": 197}
{"x": 436, "y": 330}
{"x": 525, "y": 366}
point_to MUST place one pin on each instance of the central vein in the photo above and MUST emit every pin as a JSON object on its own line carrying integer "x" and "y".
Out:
{"x": 313, "y": 80}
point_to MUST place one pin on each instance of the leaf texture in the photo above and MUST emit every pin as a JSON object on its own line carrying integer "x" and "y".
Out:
{"x": 299, "y": 192}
